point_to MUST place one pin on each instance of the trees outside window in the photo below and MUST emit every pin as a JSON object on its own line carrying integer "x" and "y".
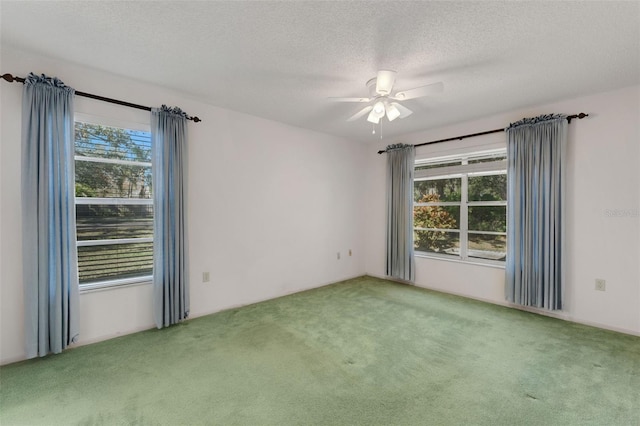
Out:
{"x": 114, "y": 206}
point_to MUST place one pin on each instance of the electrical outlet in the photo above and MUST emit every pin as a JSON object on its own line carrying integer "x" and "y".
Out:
{"x": 600, "y": 284}
{"x": 338, "y": 255}
{"x": 205, "y": 277}
{"x": 349, "y": 252}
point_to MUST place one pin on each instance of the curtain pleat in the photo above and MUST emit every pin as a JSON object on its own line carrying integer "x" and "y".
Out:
{"x": 50, "y": 269}
{"x": 399, "y": 235}
{"x": 535, "y": 226}
{"x": 170, "y": 251}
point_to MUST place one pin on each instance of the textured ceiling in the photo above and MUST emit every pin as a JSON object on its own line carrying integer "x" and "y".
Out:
{"x": 281, "y": 60}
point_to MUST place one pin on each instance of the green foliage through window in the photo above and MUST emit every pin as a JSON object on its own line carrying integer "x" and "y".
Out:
{"x": 114, "y": 237}
{"x": 463, "y": 214}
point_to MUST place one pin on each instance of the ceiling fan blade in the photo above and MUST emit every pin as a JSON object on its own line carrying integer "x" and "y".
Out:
{"x": 360, "y": 113}
{"x": 419, "y": 92}
{"x": 384, "y": 81}
{"x": 349, "y": 99}
{"x": 404, "y": 111}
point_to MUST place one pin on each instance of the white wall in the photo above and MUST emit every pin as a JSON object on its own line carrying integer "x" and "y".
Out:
{"x": 269, "y": 207}
{"x": 603, "y": 173}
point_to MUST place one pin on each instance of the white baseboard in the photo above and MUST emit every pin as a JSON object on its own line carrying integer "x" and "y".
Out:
{"x": 12, "y": 359}
{"x": 562, "y": 315}
{"x": 288, "y": 293}
{"x": 558, "y": 315}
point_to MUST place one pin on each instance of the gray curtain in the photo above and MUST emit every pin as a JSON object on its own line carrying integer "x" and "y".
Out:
{"x": 400, "y": 164}
{"x": 535, "y": 226}
{"x": 170, "y": 257}
{"x": 48, "y": 216}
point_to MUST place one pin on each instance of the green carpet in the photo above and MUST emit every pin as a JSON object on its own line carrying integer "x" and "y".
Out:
{"x": 364, "y": 351}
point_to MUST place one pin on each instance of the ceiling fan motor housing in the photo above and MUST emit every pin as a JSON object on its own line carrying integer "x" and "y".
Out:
{"x": 371, "y": 85}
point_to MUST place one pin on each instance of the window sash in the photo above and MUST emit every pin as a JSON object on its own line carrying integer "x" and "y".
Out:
{"x": 437, "y": 229}
{"x": 463, "y": 171}
{"x": 112, "y": 161}
{"x": 437, "y": 203}
{"x": 114, "y": 201}
{"x": 116, "y": 261}
{"x": 113, "y": 241}
{"x": 457, "y": 171}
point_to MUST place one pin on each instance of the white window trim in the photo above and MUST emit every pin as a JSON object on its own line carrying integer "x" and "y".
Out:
{"x": 476, "y": 169}
{"x": 116, "y": 201}
{"x": 110, "y": 284}
{"x": 111, "y": 161}
{"x": 126, "y": 125}
{"x": 463, "y": 172}
{"x": 112, "y": 241}
{"x": 472, "y": 261}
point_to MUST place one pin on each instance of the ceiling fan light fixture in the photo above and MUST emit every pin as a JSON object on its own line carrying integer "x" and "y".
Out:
{"x": 392, "y": 112}
{"x": 373, "y": 117}
{"x": 378, "y": 108}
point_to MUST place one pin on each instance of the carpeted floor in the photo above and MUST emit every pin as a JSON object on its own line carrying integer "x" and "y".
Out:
{"x": 365, "y": 351}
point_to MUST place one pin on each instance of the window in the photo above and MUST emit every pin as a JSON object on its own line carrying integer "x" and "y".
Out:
{"x": 114, "y": 205}
{"x": 460, "y": 206}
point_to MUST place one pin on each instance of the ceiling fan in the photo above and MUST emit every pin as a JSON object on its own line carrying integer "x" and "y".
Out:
{"x": 382, "y": 102}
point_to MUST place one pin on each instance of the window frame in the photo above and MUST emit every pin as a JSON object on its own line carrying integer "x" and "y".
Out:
{"x": 129, "y": 126}
{"x": 463, "y": 171}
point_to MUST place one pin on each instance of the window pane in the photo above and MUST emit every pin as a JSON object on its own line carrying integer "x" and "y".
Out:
{"x": 488, "y": 188}
{"x": 440, "y": 217}
{"x": 441, "y": 242}
{"x": 488, "y": 218}
{"x": 102, "y": 222}
{"x": 484, "y": 246}
{"x": 116, "y": 261}
{"x": 431, "y": 191}
{"x": 433, "y": 165}
{"x": 111, "y": 142}
{"x": 105, "y": 180}
{"x": 502, "y": 156}
{"x": 108, "y": 166}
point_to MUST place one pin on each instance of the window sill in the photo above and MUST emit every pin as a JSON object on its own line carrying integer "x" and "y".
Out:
{"x": 489, "y": 264}
{"x": 115, "y": 284}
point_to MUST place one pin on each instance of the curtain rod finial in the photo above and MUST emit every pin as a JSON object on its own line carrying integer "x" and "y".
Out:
{"x": 7, "y": 77}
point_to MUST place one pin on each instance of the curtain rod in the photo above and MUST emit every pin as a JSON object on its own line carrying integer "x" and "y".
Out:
{"x": 11, "y": 79}
{"x": 569, "y": 118}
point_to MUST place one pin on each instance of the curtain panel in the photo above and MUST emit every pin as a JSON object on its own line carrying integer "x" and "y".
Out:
{"x": 535, "y": 226}
{"x": 50, "y": 270}
{"x": 170, "y": 243}
{"x": 399, "y": 235}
